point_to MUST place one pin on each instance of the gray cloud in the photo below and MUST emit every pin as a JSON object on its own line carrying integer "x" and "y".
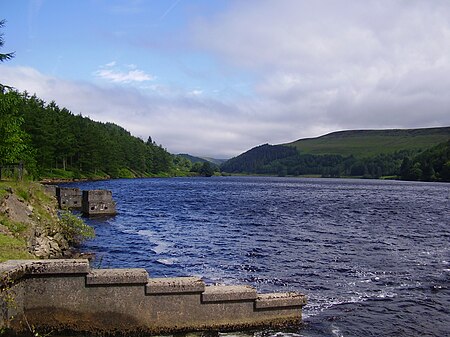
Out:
{"x": 327, "y": 65}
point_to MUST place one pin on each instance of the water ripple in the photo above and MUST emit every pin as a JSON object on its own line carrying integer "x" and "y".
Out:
{"x": 372, "y": 256}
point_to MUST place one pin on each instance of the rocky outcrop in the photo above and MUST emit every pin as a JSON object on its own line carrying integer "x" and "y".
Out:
{"x": 46, "y": 246}
{"x": 36, "y": 222}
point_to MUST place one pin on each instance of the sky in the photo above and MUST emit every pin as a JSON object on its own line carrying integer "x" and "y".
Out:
{"x": 216, "y": 78}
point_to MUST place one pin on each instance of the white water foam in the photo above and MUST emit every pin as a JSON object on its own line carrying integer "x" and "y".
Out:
{"x": 160, "y": 246}
{"x": 168, "y": 261}
{"x": 336, "y": 331}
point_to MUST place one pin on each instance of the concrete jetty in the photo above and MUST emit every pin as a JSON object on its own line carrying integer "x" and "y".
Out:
{"x": 69, "y": 296}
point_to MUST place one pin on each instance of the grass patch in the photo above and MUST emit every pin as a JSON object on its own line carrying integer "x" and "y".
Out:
{"x": 13, "y": 249}
{"x": 125, "y": 173}
{"x": 59, "y": 173}
{"x": 23, "y": 193}
{"x": 13, "y": 246}
{"x": 15, "y": 227}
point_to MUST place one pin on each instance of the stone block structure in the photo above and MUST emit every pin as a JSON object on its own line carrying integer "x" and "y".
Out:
{"x": 98, "y": 202}
{"x": 68, "y": 197}
{"x": 69, "y": 296}
{"x": 51, "y": 190}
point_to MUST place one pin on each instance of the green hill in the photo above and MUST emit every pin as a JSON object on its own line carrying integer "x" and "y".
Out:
{"x": 360, "y": 153}
{"x": 215, "y": 160}
{"x": 364, "y": 143}
{"x": 195, "y": 159}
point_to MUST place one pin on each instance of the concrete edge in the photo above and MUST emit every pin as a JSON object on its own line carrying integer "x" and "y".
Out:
{"x": 228, "y": 293}
{"x": 280, "y": 300}
{"x": 10, "y": 273}
{"x": 56, "y": 266}
{"x": 117, "y": 276}
{"x": 174, "y": 285}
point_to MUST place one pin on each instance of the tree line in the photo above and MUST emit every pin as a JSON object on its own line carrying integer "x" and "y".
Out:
{"x": 50, "y": 139}
{"x": 430, "y": 165}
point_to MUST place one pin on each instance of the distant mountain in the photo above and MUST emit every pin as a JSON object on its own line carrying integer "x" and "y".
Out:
{"x": 215, "y": 160}
{"x": 359, "y": 153}
{"x": 363, "y": 143}
{"x": 194, "y": 159}
{"x": 256, "y": 158}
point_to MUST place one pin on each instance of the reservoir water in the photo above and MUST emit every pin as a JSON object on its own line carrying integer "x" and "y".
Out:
{"x": 373, "y": 256}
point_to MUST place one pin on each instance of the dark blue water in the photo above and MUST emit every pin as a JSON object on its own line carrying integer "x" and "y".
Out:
{"x": 372, "y": 256}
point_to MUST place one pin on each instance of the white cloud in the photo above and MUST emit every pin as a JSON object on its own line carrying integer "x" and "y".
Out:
{"x": 182, "y": 124}
{"x": 196, "y": 92}
{"x": 110, "y": 64}
{"x": 109, "y": 72}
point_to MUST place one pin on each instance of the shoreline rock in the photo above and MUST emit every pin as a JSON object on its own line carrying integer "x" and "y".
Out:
{"x": 36, "y": 221}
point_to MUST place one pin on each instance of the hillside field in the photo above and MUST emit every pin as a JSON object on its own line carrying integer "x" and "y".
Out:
{"x": 365, "y": 143}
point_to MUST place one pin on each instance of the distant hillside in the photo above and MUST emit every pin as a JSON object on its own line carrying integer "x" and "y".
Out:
{"x": 363, "y": 143}
{"x": 194, "y": 159}
{"x": 256, "y": 158}
{"x": 361, "y": 153}
{"x": 215, "y": 160}
{"x": 55, "y": 143}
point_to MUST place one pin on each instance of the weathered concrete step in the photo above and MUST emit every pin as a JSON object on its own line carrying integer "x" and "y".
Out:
{"x": 228, "y": 293}
{"x": 127, "y": 301}
{"x": 117, "y": 276}
{"x": 47, "y": 267}
{"x": 280, "y": 300}
{"x": 175, "y": 285}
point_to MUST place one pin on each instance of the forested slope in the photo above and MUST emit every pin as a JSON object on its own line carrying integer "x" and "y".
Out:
{"x": 368, "y": 154}
{"x": 52, "y": 141}
{"x": 430, "y": 165}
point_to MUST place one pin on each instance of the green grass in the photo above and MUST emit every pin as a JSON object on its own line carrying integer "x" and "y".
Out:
{"x": 125, "y": 173}
{"x": 14, "y": 227}
{"x": 364, "y": 143}
{"x": 14, "y": 246}
{"x": 59, "y": 173}
{"x": 13, "y": 249}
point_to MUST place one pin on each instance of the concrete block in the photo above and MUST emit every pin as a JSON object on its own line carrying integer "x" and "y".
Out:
{"x": 9, "y": 273}
{"x": 68, "y": 197}
{"x": 117, "y": 276}
{"x": 98, "y": 195}
{"x": 50, "y": 190}
{"x": 175, "y": 285}
{"x": 98, "y": 202}
{"x": 280, "y": 300}
{"x": 228, "y": 293}
{"x": 57, "y": 266}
